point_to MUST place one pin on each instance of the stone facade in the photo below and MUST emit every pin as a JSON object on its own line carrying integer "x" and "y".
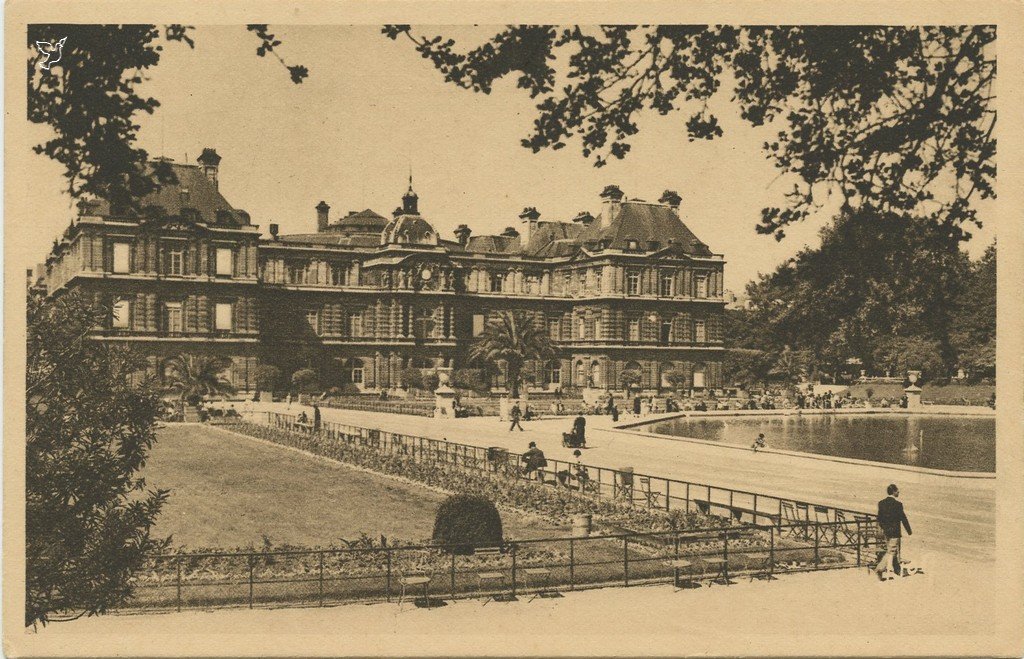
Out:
{"x": 363, "y": 299}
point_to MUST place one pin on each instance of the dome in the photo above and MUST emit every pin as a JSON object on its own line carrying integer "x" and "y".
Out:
{"x": 409, "y": 230}
{"x": 362, "y": 222}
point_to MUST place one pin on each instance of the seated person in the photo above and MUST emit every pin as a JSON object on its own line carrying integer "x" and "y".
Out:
{"x": 303, "y": 418}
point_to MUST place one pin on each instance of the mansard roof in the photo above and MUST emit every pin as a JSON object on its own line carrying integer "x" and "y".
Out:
{"x": 644, "y": 222}
{"x": 494, "y": 244}
{"x": 192, "y": 191}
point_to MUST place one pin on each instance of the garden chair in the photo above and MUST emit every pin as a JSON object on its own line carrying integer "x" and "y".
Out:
{"x": 415, "y": 580}
{"x": 847, "y": 531}
{"x": 537, "y": 574}
{"x": 653, "y": 498}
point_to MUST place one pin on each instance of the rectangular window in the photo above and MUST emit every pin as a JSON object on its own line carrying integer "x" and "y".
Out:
{"x": 313, "y": 319}
{"x": 698, "y": 379}
{"x": 597, "y": 329}
{"x": 355, "y": 324}
{"x": 554, "y": 329}
{"x": 634, "y": 329}
{"x": 176, "y": 262}
{"x": 173, "y": 320}
{"x": 497, "y": 281}
{"x": 357, "y": 375}
{"x": 121, "y": 314}
{"x": 666, "y": 284}
{"x": 633, "y": 283}
{"x": 339, "y": 274}
{"x": 222, "y": 316}
{"x": 597, "y": 280}
{"x": 666, "y": 332}
{"x": 582, "y": 328}
{"x": 478, "y": 324}
{"x": 700, "y": 334}
{"x": 224, "y": 263}
{"x": 296, "y": 273}
{"x": 567, "y": 283}
{"x": 702, "y": 286}
{"x": 122, "y": 257}
{"x": 555, "y": 375}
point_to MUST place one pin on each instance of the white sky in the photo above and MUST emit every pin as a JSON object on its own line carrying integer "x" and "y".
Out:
{"x": 371, "y": 108}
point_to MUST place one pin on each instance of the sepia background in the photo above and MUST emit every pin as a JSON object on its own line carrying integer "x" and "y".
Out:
{"x": 369, "y": 112}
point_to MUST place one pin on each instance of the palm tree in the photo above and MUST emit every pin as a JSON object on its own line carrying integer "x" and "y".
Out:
{"x": 195, "y": 376}
{"x": 512, "y": 338}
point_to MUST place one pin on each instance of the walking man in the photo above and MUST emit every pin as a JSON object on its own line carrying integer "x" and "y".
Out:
{"x": 516, "y": 414}
{"x": 891, "y": 518}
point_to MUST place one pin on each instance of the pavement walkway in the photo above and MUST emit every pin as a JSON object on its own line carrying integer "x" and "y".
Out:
{"x": 949, "y": 610}
{"x": 950, "y": 515}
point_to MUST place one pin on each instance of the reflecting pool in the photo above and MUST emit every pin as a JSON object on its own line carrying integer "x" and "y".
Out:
{"x": 933, "y": 441}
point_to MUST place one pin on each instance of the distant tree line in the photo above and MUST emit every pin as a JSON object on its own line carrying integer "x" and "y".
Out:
{"x": 896, "y": 294}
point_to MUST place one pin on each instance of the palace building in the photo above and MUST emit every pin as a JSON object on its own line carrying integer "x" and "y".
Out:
{"x": 364, "y": 298}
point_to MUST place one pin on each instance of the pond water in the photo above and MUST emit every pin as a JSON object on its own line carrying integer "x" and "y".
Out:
{"x": 936, "y": 442}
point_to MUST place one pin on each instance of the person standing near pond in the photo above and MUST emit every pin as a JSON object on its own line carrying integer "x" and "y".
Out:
{"x": 891, "y": 519}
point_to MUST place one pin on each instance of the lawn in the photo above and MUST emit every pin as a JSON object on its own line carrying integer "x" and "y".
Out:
{"x": 228, "y": 491}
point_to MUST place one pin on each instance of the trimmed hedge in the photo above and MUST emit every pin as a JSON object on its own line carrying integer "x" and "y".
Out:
{"x": 467, "y": 521}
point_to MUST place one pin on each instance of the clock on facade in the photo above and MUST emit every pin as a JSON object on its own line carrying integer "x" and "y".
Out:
{"x": 426, "y": 274}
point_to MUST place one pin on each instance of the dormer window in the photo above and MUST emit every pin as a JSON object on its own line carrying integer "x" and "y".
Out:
{"x": 632, "y": 245}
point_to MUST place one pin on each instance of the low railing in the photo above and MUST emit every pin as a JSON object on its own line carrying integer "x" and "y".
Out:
{"x": 636, "y": 489}
{"x": 337, "y": 575}
{"x": 415, "y": 408}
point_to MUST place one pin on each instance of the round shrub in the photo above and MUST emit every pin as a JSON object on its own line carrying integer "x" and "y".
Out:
{"x": 466, "y": 521}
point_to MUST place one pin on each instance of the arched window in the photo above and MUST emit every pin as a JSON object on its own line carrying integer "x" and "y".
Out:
{"x": 353, "y": 370}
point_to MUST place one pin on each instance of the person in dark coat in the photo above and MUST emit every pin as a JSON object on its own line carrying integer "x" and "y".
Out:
{"x": 579, "y": 429}
{"x": 515, "y": 413}
{"x": 316, "y": 418}
{"x": 891, "y": 519}
{"x": 636, "y": 406}
{"x": 534, "y": 459}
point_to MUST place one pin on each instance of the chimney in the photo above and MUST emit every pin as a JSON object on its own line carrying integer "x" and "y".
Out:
{"x": 510, "y": 232}
{"x": 583, "y": 217}
{"x": 211, "y": 164}
{"x": 321, "y": 215}
{"x": 273, "y": 231}
{"x": 529, "y": 216}
{"x": 612, "y": 201}
{"x": 671, "y": 199}
{"x": 462, "y": 233}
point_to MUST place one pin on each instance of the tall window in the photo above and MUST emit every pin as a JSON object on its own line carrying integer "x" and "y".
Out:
{"x": 666, "y": 331}
{"x": 597, "y": 329}
{"x": 567, "y": 283}
{"x": 581, "y": 278}
{"x": 665, "y": 289}
{"x": 224, "y": 261}
{"x": 582, "y": 331}
{"x": 633, "y": 283}
{"x": 478, "y": 324}
{"x": 554, "y": 329}
{"x": 296, "y": 273}
{"x": 121, "y": 314}
{"x": 313, "y": 319}
{"x": 176, "y": 262}
{"x": 554, "y": 373}
{"x": 698, "y": 377}
{"x": 173, "y": 319}
{"x": 702, "y": 286}
{"x": 597, "y": 280}
{"x": 355, "y": 323}
{"x": 339, "y": 274}
{"x": 497, "y": 282}
{"x": 634, "y": 329}
{"x": 222, "y": 316}
{"x": 700, "y": 334}
{"x": 122, "y": 257}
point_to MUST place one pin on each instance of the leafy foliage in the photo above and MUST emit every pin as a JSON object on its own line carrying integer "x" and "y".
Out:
{"x": 466, "y": 521}
{"x": 91, "y": 100}
{"x": 898, "y": 118}
{"x": 895, "y": 293}
{"x": 306, "y": 380}
{"x": 194, "y": 376}
{"x": 510, "y": 340}
{"x": 267, "y": 377}
{"x": 88, "y": 431}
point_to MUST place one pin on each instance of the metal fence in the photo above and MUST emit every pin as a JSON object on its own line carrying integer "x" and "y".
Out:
{"x": 412, "y": 407}
{"x": 623, "y": 486}
{"x": 517, "y": 568}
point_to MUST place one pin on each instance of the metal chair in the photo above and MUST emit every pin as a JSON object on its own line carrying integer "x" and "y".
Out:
{"x": 412, "y": 581}
{"x": 653, "y": 498}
